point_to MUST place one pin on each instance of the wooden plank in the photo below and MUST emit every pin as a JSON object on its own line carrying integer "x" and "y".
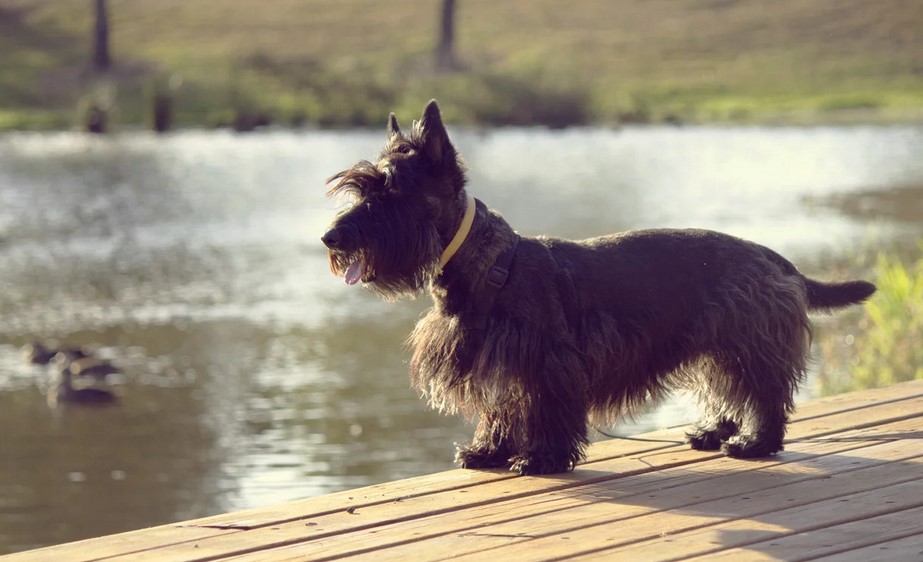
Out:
{"x": 452, "y": 490}
{"x": 859, "y": 399}
{"x": 362, "y": 520}
{"x": 625, "y": 520}
{"x": 876, "y": 399}
{"x": 888, "y": 400}
{"x": 427, "y": 518}
{"x": 825, "y": 541}
{"x": 133, "y": 542}
{"x": 908, "y": 548}
{"x": 492, "y": 544}
{"x": 869, "y": 414}
{"x": 400, "y": 490}
{"x": 116, "y": 545}
{"x": 770, "y": 527}
{"x": 429, "y": 504}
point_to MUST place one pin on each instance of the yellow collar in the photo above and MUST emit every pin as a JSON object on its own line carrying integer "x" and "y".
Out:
{"x": 463, "y": 229}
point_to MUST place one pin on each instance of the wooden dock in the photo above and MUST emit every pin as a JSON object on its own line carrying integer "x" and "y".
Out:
{"x": 849, "y": 486}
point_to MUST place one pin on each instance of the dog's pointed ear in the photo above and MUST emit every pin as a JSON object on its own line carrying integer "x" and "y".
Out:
{"x": 394, "y": 130}
{"x": 436, "y": 143}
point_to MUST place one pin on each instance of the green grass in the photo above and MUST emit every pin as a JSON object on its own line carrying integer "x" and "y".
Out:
{"x": 349, "y": 62}
{"x": 886, "y": 349}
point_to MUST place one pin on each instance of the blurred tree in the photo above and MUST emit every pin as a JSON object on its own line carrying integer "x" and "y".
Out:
{"x": 101, "y": 58}
{"x": 445, "y": 49}
{"x": 161, "y": 110}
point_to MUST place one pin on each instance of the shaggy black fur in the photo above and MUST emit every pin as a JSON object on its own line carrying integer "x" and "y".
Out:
{"x": 588, "y": 329}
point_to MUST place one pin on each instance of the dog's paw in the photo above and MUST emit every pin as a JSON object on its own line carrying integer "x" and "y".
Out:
{"x": 750, "y": 447}
{"x": 476, "y": 457}
{"x": 702, "y": 440}
{"x": 532, "y": 465}
{"x": 711, "y": 438}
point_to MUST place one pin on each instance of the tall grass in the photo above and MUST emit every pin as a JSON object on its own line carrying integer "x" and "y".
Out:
{"x": 888, "y": 347}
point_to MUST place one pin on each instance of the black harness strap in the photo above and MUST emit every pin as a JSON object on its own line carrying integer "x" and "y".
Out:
{"x": 496, "y": 279}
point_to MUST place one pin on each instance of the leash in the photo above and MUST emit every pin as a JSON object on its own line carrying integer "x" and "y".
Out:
{"x": 645, "y": 440}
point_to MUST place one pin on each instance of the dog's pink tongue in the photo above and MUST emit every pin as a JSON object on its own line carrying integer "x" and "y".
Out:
{"x": 354, "y": 272}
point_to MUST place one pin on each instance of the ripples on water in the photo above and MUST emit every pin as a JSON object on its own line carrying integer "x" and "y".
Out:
{"x": 251, "y": 375}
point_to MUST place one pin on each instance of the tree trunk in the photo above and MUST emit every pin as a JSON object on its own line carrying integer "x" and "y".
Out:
{"x": 445, "y": 50}
{"x": 101, "y": 58}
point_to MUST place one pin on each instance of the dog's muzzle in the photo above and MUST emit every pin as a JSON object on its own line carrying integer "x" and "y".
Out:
{"x": 344, "y": 258}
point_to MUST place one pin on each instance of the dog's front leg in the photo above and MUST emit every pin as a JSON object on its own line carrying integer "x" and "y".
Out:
{"x": 555, "y": 439}
{"x": 554, "y": 413}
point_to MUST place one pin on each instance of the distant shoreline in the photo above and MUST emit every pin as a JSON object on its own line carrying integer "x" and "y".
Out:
{"x": 857, "y": 117}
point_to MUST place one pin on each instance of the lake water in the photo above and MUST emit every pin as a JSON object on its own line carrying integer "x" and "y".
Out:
{"x": 251, "y": 375}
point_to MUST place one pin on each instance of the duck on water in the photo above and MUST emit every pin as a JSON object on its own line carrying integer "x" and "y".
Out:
{"x": 77, "y": 376}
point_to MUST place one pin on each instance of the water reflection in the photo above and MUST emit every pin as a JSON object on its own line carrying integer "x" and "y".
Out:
{"x": 251, "y": 375}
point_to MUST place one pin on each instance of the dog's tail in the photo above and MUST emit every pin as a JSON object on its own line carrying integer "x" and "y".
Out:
{"x": 828, "y": 296}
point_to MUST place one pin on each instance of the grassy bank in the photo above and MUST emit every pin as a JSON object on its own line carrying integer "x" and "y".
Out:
{"x": 885, "y": 348}
{"x": 349, "y": 62}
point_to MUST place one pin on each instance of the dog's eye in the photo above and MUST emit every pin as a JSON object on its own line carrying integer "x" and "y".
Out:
{"x": 404, "y": 149}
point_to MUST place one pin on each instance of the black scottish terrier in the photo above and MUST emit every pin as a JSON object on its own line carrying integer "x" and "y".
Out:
{"x": 534, "y": 336}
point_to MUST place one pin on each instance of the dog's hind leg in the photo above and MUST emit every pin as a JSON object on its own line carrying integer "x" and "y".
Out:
{"x": 761, "y": 345}
{"x": 761, "y": 435}
{"x": 766, "y": 383}
{"x": 491, "y": 447}
{"x": 712, "y": 385}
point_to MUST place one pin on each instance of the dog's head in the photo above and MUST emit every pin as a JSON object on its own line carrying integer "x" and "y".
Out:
{"x": 405, "y": 208}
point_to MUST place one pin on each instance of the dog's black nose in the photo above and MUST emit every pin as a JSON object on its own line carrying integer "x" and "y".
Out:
{"x": 332, "y": 239}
